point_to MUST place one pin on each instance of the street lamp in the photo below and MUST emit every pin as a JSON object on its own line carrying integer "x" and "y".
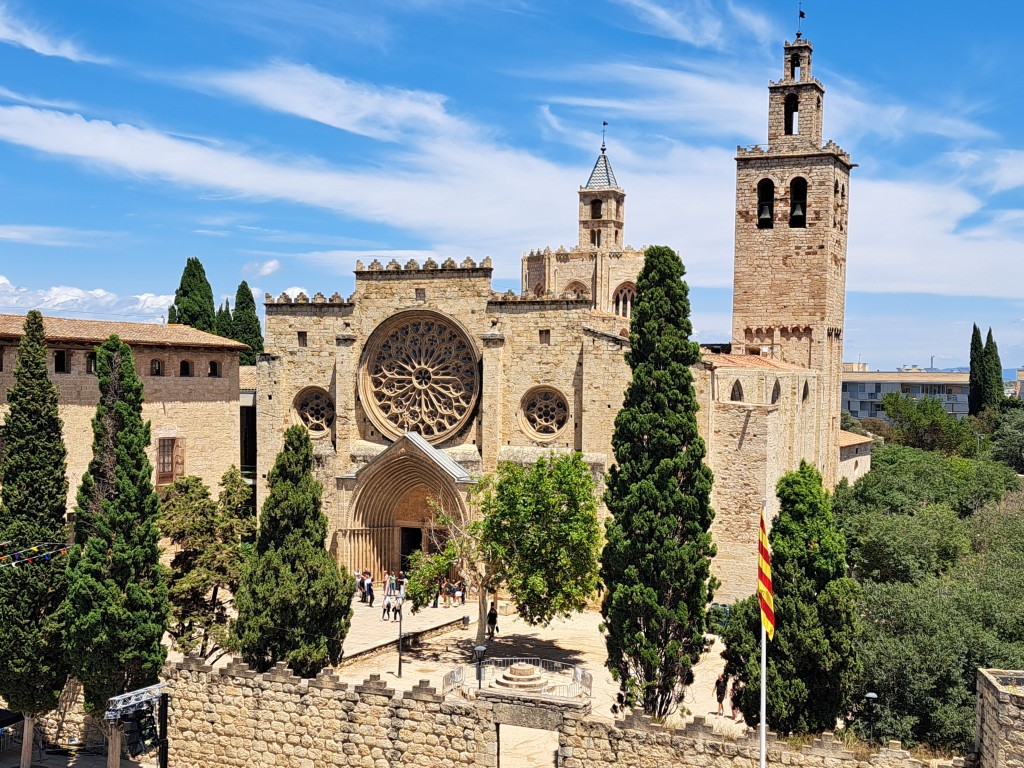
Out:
{"x": 400, "y": 612}
{"x": 478, "y": 657}
{"x": 870, "y": 698}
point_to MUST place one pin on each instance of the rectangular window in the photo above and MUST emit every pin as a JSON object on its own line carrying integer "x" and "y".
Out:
{"x": 1, "y": 358}
{"x": 302, "y": 339}
{"x": 90, "y": 363}
{"x": 170, "y": 460}
{"x": 545, "y": 337}
{"x": 62, "y": 361}
{"x": 421, "y": 294}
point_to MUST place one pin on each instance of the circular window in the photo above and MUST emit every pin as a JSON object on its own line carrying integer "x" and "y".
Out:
{"x": 316, "y": 409}
{"x": 419, "y": 374}
{"x": 545, "y": 411}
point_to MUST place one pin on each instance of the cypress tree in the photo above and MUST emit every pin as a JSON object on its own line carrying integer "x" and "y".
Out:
{"x": 224, "y": 325}
{"x": 193, "y": 301}
{"x": 656, "y": 564}
{"x": 976, "y": 387}
{"x": 294, "y": 603}
{"x": 993, "y": 368}
{"x": 813, "y": 667}
{"x": 247, "y": 325}
{"x": 33, "y": 502}
{"x": 117, "y": 607}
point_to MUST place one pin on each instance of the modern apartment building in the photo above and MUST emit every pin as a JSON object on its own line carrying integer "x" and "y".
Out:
{"x": 862, "y": 391}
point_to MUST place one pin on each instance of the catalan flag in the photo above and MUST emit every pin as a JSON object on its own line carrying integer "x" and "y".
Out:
{"x": 764, "y": 581}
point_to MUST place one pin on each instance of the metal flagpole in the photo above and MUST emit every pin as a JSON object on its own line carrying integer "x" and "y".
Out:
{"x": 764, "y": 697}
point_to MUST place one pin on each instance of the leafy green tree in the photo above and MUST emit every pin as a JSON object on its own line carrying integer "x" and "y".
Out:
{"x": 851, "y": 424}
{"x": 537, "y": 534}
{"x": 1008, "y": 439}
{"x": 223, "y": 323}
{"x": 193, "y": 301}
{"x": 656, "y": 564}
{"x": 205, "y": 572}
{"x": 993, "y": 368}
{"x": 813, "y": 666}
{"x": 294, "y": 603}
{"x": 924, "y": 423}
{"x": 246, "y": 325}
{"x": 978, "y": 378}
{"x": 33, "y": 502}
{"x": 116, "y": 608}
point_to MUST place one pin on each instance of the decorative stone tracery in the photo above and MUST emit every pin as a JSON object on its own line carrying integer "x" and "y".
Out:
{"x": 316, "y": 409}
{"x": 419, "y": 374}
{"x": 544, "y": 411}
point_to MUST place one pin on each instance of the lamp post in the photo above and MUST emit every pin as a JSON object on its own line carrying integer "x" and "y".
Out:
{"x": 870, "y": 698}
{"x": 400, "y": 612}
{"x": 478, "y": 656}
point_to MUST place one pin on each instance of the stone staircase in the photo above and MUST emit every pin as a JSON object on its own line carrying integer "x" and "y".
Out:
{"x": 522, "y": 678}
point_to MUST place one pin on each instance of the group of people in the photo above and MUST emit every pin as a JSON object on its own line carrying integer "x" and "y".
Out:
{"x": 394, "y": 585}
{"x": 722, "y": 688}
{"x": 452, "y": 592}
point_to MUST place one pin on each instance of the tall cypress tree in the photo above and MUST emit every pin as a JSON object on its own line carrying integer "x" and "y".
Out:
{"x": 294, "y": 603}
{"x": 247, "y": 325}
{"x": 976, "y": 386}
{"x": 813, "y": 666}
{"x": 223, "y": 325}
{"x": 656, "y": 564}
{"x": 117, "y": 606}
{"x": 33, "y": 502}
{"x": 193, "y": 301}
{"x": 993, "y": 367}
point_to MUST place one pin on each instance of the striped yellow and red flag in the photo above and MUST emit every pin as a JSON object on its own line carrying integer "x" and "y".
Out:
{"x": 764, "y": 581}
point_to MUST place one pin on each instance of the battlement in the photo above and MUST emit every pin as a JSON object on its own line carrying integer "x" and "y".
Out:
{"x": 757, "y": 151}
{"x": 413, "y": 266}
{"x": 581, "y": 252}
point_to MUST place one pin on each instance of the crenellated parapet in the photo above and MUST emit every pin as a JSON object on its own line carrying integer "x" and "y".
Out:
{"x": 318, "y": 298}
{"x": 413, "y": 266}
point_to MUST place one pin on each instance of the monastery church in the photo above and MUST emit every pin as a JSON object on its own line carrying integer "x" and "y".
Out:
{"x": 424, "y": 379}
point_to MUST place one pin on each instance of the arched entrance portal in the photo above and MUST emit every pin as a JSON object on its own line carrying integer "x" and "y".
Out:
{"x": 394, "y": 500}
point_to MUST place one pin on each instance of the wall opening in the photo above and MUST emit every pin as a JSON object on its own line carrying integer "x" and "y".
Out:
{"x": 798, "y": 203}
{"x": 765, "y": 204}
{"x": 596, "y": 209}
{"x": 792, "y": 114}
{"x": 737, "y": 392}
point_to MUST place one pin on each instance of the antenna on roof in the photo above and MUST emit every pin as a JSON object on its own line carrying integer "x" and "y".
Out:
{"x": 800, "y": 16}
{"x": 604, "y": 127}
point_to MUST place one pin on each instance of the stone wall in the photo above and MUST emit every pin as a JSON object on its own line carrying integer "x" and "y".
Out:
{"x": 999, "y": 719}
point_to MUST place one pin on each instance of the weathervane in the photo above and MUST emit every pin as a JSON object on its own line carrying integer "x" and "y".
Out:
{"x": 604, "y": 127}
{"x": 800, "y": 15}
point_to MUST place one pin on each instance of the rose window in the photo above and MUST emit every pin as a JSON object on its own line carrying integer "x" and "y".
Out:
{"x": 316, "y": 409}
{"x": 419, "y": 375}
{"x": 545, "y": 411}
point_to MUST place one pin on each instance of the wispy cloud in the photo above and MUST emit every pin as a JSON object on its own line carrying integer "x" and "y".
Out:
{"x": 262, "y": 268}
{"x": 21, "y": 33}
{"x": 98, "y": 302}
{"x": 60, "y": 237}
{"x": 701, "y": 23}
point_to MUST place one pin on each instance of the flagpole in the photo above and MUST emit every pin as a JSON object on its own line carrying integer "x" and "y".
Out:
{"x": 764, "y": 697}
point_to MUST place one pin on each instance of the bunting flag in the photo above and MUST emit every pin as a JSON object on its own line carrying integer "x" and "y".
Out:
{"x": 31, "y": 555}
{"x": 764, "y": 581}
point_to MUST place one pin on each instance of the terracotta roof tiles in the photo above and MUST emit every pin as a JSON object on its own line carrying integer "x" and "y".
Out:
{"x": 68, "y": 329}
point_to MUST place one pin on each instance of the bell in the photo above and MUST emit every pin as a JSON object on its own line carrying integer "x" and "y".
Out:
{"x": 798, "y": 211}
{"x": 765, "y": 215}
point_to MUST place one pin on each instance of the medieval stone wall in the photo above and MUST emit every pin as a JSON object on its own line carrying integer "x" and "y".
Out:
{"x": 999, "y": 719}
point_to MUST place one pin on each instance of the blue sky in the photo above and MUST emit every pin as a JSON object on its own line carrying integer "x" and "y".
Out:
{"x": 280, "y": 141}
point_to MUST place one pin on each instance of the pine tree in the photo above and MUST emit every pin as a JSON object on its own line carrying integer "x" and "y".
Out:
{"x": 294, "y": 603}
{"x": 813, "y": 667}
{"x": 33, "y": 503}
{"x": 976, "y": 386}
{"x": 656, "y": 564}
{"x": 116, "y": 608}
{"x": 993, "y": 368}
{"x": 247, "y": 325}
{"x": 193, "y": 301}
{"x": 224, "y": 326}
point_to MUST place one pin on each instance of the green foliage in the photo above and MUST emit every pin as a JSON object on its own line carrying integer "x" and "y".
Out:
{"x": 223, "y": 323}
{"x": 656, "y": 564}
{"x": 993, "y": 368}
{"x": 1008, "y": 439}
{"x": 246, "y": 325}
{"x": 294, "y": 604}
{"x": 851, "y": 424}
{"x": 33, "y": 501}
{"x": 193, "y": 301}
{"x": 924, "y": 423}
{"x": 978, "y": 378}
{"x": 813, "y": 666}
{"x": 116, "y": 608}
{"x": 540, "y": 529}
{"x": 210, "y": 538}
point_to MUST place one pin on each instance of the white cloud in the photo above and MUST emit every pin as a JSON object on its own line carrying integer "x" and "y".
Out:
{"x": 692, "y": 21}
{"x": 78, "y": 302}
{"x": 266, "y": 268}
{"x": 295, "y": 290}
{"x": 51, "y": 236}
{"x": 22, "y": 34}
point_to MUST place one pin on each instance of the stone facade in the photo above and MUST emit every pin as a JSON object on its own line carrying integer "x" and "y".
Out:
{"x": 999, "y": 719}
{"x": 854, "y": 456}
{"x": 484, "y": 377}
{"x": 190, "y": 381}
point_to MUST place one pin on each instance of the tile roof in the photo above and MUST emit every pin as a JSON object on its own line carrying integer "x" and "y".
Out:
{"x": 749, "y": 361}
{"x": 68, "y": 329}
{"x": 846, "y": 439}
{"x": 247, "y": 377}
{"x": 920, "y": 377}
{"x": 602, "y": 177}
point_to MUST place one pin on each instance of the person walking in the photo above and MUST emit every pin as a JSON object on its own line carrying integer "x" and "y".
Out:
{"x": 386, "y": 613}
{"x": 396, "y": 611}
{"x": 734, "y": 699}
{"x": 438, "y": 591}
{"x": 361, "y": 586}
{"x": 492, "y": 620}
{"x": 721, "y": 686}
{"x": 368, "y": 581}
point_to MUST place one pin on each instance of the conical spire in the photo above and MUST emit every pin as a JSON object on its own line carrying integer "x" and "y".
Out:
{"x": 602, "y": 177}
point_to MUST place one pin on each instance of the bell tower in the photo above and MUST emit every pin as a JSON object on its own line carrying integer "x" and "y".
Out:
{"x": 789, "y": 286}
{"x": 602, "y": 208}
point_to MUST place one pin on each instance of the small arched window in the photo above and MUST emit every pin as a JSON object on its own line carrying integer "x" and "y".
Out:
{"x": 214, "y": 370}
{"x": 792, "y": 114}
{"x": 623, "y": 300}
{"x": 794, "y": 67}
{"x": 156, "y": 368}
{"x": 776, "y": 392}
{"x": 185, "y": 369}
{"x": 595, "y": 237}
{"x": 765, "y": 204}
{"x": 806, "y": 394}
{"x": 798, "y": 202}
{"x": 737, "y": 392}
{"x": 538, "y": 289}
{"x": 576, "y": 290}
{"x": 595, "y": 209}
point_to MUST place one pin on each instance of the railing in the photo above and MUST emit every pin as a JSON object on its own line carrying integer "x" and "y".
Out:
{"x": 453, "y": 680}
{"x": 578, "y": 681}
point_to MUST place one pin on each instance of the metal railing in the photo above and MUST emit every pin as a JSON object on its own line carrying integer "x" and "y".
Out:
{"x": 578, "y": 682}
{"x": 453, "y": 680}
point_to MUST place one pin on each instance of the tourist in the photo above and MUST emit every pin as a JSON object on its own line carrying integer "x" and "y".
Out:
{"x": 397, "y": 610}
{"x": 492, "y": 620}
{"x": 361, "y": 586}
{"x": 368, "y": 582}
{"x": 459, "y": 594}
{"x": 386, "y": 613}
{"x": 403, "y": 580}
{"x": 385, "y": 581}
{"x": 446, "y": 592}
{"x": 440, "y": 589}
{"x": 392, "y": 579}
{"x": 721, "y": 686}
{"x": 734, "y": 699}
